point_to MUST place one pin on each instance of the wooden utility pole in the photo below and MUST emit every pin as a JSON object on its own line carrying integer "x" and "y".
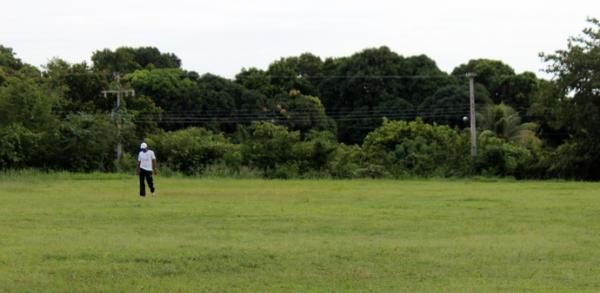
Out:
{"x": 116, "y": 114}
{"x": 471, "y": 77}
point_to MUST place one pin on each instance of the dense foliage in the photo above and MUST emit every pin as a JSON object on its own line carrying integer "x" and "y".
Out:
{"x": 372, "y": 114}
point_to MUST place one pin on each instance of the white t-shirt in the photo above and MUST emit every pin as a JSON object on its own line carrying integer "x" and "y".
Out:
{"x": 145, "y": 160}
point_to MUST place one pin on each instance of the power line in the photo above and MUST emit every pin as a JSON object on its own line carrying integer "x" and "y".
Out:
{"x": 290, "y": 112}
{"x": 290, "y": 119}
{"x": 236, "y": 112}
{"x": 447, "y": 113}
{"x": 365, "y": 76}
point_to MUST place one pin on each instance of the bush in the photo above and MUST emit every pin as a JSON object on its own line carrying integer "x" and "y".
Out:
{"x": 26, "y": 102}
{"x": 575, "y": 159}
{"x": 284, "y": 171}
{"x": 191, "y": 150}
{"x": 17, "y": 144}
{"x": 346, "y": 161}
{"x": 268, "y": 145}
{"x": 499, "y": 158}
{"x": 316, "y": 152}
{"x": 80, "y": 143}
{"x": 416, "y": 149}
{"x": 127, "y": 164}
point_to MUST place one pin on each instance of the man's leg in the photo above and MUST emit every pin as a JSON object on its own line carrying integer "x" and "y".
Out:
{"x": 150, "y": 182}
{"x": 142, "y": 185}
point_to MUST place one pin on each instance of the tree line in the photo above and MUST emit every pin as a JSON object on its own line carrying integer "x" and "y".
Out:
{"x": 375, "y": 113}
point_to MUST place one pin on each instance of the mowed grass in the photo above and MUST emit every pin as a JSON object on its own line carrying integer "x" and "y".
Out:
{"x": 90, "y": 233}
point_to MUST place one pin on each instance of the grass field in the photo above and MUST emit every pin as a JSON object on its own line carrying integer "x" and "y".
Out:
{"x": 91, "y": 233}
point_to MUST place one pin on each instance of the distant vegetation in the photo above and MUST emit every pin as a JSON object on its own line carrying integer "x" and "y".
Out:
{"x": 372, "y": 114}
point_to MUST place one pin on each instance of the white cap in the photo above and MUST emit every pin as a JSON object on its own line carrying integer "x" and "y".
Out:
{"x": 143, "y": 146}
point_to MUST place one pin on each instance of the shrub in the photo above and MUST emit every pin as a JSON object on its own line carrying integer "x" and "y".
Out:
{"x": 416, "y": 148}
{"x": 17, "y": 144}
{"x": 284, "y": 171}
{"x": 497, "y": 157}
{"x": 191, "y": 150}
{"x": 316, "y": 152}
{"x": 268, "y": 145}
{"x": 575, "y": 159}
{"x": 127, "y": 164}
{"x": 346, "y": 161}
{"x": 80, "y": 143}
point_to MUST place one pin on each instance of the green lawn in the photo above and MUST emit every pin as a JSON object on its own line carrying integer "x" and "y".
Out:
{"x": 90, "y": 233}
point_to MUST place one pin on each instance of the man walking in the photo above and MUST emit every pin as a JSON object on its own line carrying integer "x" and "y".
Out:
{"x": 145, "y": 166}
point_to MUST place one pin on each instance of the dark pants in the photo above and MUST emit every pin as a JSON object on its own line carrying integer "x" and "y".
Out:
{"x": 146, "y": 175}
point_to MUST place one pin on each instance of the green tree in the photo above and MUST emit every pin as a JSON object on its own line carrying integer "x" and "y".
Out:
{"x": 303, "y": 113}
{"x": 11, "y": 66}
{"x": 268, "y": 146}
{"x": 506, "y": 123}
{"x": 496, "y": 157}
{"x": 490, "y": 73}
{"x": 449, "y": 104}
{"x": 26, "y": 102}
{"x": 416, "y": 148}
{"x": 501, "y": 81}
{"x": 127, "y": 59}
{"x": 519, "y": 90}
{"x": 227, "y": 104}
{"x": 257, "y": 80}
{"x": 190, "y": 150}
{"x": 170, "y": 88}
{"x": 547, "y": 111}
{"x": 17, "y": 146}
{"x": 361, "y": 88}
{"x": 577, "y": 74}
{"x": 81, "y": 142}
{"x": 8, "y": 59}
{"x": 300, "y": 73}
{"x": 80, "y": 86}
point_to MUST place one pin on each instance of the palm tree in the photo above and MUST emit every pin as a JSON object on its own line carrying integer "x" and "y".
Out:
{"x": 504, "y": 122}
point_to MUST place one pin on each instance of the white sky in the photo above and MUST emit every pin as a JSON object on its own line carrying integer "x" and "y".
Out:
{"x": 222, "y": 36}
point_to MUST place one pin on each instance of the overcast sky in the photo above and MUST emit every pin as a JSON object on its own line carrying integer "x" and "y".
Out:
{"x": 223, "y": 36}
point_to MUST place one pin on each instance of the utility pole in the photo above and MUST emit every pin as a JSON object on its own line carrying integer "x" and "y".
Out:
{"x": 115, "y": 113}
{"x": 471, "y": 77}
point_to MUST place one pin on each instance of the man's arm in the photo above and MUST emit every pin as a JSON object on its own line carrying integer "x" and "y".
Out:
{"x": 137, "y": 170}
{"x": 154, "y": 167}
